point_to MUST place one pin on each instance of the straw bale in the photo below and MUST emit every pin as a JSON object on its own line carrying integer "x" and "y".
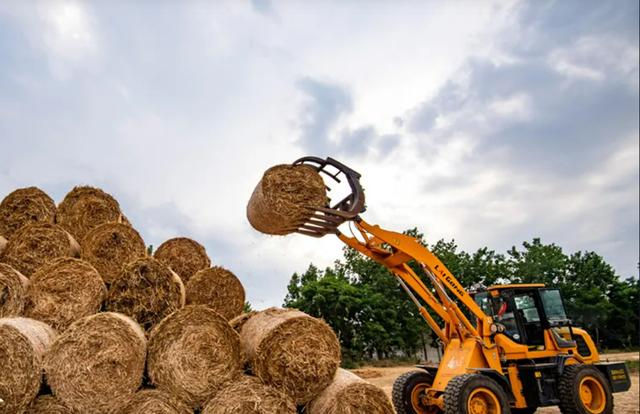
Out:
{"x": 48, "y": 404}
{"x": 185, "y": 256}
{"x": 291, "y": 351}
{"x": 147, "y": 291}
{"x": 25, "y": 206}
{"x": 23, "y": 343}
{"x": 111, "y": 246}
{"x": 64, "y": 290}
{"x": 153, "y": 402}
{"x": 217, "y": 288}
{"x": 13, "y": 287}
{"x": 193, "y": 353}
{"x": 85, "y": 208}
{"x": 238, "y": 322}
{"x": 97, "y": 363}
{"x": 285, "y": 197}
{"x": 250, "y": 396}
{"x": 349, "y": 394}
{"x": 3, "y": 244}
{"x": 36, "y": 244}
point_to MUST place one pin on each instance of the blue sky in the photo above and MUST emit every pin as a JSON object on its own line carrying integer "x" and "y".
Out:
{"x": 490, "y": 122}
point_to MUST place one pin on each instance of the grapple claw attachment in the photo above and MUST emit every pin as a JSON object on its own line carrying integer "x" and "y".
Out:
{"x": 326, "y": 220}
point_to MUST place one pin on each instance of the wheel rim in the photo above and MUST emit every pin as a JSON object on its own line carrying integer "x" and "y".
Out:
{"x": 483, "y": 401}
{"x": 592, "y": 395}
{"x": 417, "y": 393}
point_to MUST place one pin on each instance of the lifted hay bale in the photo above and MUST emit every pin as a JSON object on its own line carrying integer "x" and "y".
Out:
{"x": 193, "y": 353}
{"x": 249, "y": 396}
{"x": 153, "y": 402}
{"x": 238, "y": 322}
{"x": 13, "y": 287}
{"x": 25, "y": 206}
{"x": 48, "y": 404}
{"x": 85, "y": 208}
{"x": 23, "y": 343}
{"x": 36, "y": 244}
{"x": 97, "y": 363}
{"x": 291, "y": 351}
{"x": 349, "y": 394}
{"x": 147, "y": 291}
{"x": 281, "y": 200}
{"x": 217, "y": 288}
{"x": 63, "y": 291}
{"x": 184, "y": 256}
{"x": 111, "y": 246}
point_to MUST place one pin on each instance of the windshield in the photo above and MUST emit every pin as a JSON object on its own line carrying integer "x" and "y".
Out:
{"x": 553, "y": 306}
{"x": 484, "y": 301}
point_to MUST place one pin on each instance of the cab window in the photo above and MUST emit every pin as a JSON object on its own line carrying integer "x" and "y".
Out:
{"x": 527, "y": 307}
{"x": 553, "y": 306}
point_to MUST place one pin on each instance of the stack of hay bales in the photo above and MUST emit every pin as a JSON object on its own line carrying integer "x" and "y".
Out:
{"x": 90, "y": 323}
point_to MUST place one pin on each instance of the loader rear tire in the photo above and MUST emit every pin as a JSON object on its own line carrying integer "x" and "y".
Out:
{"x": 475, "y": 394}
{"x": 407, "y": 389}
{"x": 583, "y": 389}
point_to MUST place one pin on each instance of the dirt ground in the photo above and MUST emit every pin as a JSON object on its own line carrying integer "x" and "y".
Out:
{"x": 624, "y": 403}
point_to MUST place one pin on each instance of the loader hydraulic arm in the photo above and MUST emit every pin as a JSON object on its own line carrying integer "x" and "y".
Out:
{"x": 395, "y": 251}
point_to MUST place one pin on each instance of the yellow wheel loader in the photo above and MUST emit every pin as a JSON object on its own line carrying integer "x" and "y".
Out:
{"x": 507, "y": 349}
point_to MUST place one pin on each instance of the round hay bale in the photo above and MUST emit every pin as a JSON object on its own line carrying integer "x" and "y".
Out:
{"x": 349, "y": 394}
{"x": 85, "y": 208}
{"x": 184, "y": 256}
{"x": 193, "y": 353}
{"x": 97, "y": 363}
{"x": 36, "y": 244}
{"x": 249, "y": 396}
{"x": 23, "y": 343}
{"x": 238, "y": 322}
{"x": 217, "y": 288}
{"x": 147, "y": 291}
{"x": 63, "y": 291}
{"x": 284, "y": 198}
{"x": 3, "y": 244}
{"x": 48, "y": 404}
{"x": 25, "y": 206}
{"x": 110, "y": 246}
{"x": 291, "y": 351}
{"x": 13, "y": 286}
{"x": 153, "y": 402}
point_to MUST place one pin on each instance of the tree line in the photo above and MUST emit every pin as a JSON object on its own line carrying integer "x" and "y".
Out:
{"x": 374, "y": 318}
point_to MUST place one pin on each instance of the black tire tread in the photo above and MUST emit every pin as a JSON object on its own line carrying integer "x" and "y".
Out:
{"x": 455, "y": 387}
{"x": 399, "y": 386}
{"x": 566, "y": 385}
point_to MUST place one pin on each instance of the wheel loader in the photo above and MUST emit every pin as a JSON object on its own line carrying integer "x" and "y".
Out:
{"x": 507, "y": 348}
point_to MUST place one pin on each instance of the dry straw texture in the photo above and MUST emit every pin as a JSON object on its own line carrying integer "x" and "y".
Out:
{"x": 85, "y": 208}
{"x": 97, "y": 363}
{"x": 281, "y": 201}
{"x": 348, "y": 394}
{"x": 36, "y": 244}
{"x": 250, "y": 396}
{"x": 153, "y": 402}
{"x": 238, "y": 322}
{"x": 193, "y": 353}
{"x": 217, "y": 288}
{"x": 25, "y": 206}
{"x": 48, "y": 404}
{"x": 13, "y": 286}
{"x": 3, "y": 244}
{"x": 110, "y": 246}
{"x": 184, "y": 256}
{"x": 23, "y": 343}
{"x": 147, "y": 291}
{"x": 63, "y": 291}
{"x": 291, "y": 351}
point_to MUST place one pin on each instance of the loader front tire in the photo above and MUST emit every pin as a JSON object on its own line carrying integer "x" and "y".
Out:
{"x": 407, "y": 390}
{"x": 475, "y": 394}
{"x": 583, "y": 389}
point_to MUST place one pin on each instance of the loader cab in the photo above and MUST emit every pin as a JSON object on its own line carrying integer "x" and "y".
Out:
{"x": 525, "y": 311}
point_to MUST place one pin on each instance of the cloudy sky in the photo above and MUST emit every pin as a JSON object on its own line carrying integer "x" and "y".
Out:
{"x": 490, "y": 122}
